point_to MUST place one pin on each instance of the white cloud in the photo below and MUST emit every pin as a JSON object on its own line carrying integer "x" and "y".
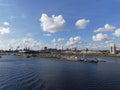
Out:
{"x": 52, "y": 24}
{"x": 5, "y": 28}
{"x": 29, "y": 35}
{"x": 47, "y": 35}
{"x": 73, "y": 41}
{"x": 117, "y": 32}
{"x": 100, "y": 37}
{"x": 22, "y": 43}
{"x": 31, "y": 43}
{"x": 60, "y": 39}
{"x": 57, "y": 40}
{"x": 109, "y": 41}
{"x": 82, "y": 23}
{"x": 107, "y": 27}
{"x": 6, "y": 24}
{"x": 54, "y": 40}
{"x": 57, "y": 43}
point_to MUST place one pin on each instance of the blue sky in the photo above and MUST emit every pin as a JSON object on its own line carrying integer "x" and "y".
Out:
{"x": 93, "y": 24}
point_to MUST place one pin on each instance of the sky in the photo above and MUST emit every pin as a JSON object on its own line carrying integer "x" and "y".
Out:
{"x": 92, "y": 24}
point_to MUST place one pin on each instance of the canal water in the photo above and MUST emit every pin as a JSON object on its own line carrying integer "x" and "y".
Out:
{"x": 19, "y": 73}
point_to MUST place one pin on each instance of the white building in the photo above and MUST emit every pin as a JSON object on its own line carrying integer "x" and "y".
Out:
{"x": 113, "y": 49}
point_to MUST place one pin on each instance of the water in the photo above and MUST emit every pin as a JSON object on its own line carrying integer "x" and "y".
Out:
{"x": 19, "y": 73}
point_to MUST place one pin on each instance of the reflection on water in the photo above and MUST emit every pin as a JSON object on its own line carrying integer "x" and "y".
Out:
{"x": 18, "y": 73}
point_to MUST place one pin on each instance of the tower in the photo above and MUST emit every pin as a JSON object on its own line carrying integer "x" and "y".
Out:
{"x": 113, "y": 49}
{"x": 45, "y": 48}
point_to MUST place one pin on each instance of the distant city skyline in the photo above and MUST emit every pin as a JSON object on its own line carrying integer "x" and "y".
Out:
{"x": 93, "y": 24}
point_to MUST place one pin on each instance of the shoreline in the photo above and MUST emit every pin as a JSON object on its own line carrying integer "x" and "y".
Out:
{"x": 65, "y": 58}
{"x": 62, "y": 57}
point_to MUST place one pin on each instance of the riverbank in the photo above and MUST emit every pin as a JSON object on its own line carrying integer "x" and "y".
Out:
{"x": 62, "y": 57}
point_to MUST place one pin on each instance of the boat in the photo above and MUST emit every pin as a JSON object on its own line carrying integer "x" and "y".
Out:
{"x": 92, "y": 60}
{"x": 28, "y": 56}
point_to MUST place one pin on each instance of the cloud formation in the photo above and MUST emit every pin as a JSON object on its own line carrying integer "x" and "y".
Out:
{"x": 20, "y": 43}
{"x": 6, "y": 24}
{"x": 5, "y": 28}
{"x": 82, "y": 23}
{"x": 73, "y": 41}
{"x": 117, "y": 32}
{"x": 54, "y": 40}
{"x": 100, "y": 37}
{"x": 106, "y": 28}
{"x": 52, "y": 24}
{"x": 57, "y": 40}
{"x": 48, "y": 35}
